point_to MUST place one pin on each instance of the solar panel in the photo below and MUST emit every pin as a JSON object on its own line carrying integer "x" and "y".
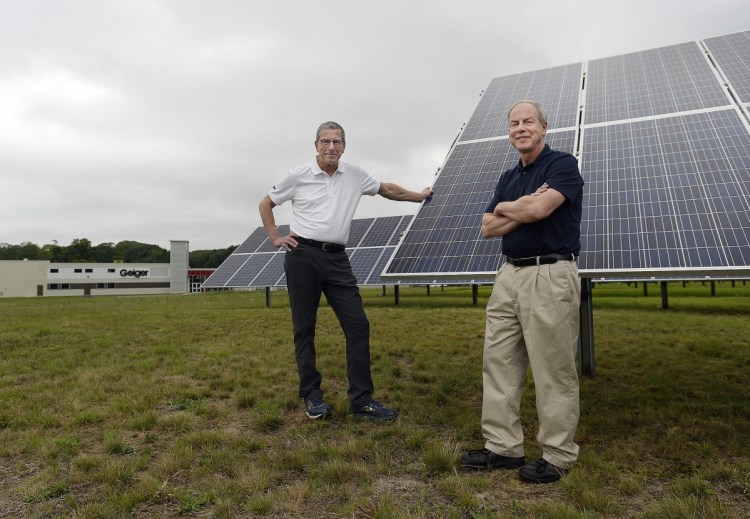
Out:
{"x": 561, "y": 102}
{"x": 667, "y": 193}
{"x": 369, "y": 238}
{"x": 663, "y": 147}
{"x": 732, "y": 55}
{"x": 654, "y": 82}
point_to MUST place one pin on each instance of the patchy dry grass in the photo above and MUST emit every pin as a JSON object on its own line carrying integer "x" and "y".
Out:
{"x": 186, "y": 407}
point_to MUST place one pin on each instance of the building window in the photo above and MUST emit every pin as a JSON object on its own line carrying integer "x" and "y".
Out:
{"x": 77, "y": 271}
{"x": 52, "y": 286}
{"x": 54, "y": 271}
{"x": 110, "y": 270}
{"x": 88, "y": 271}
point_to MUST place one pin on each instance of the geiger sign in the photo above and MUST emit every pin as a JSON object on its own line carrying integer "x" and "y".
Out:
{"x": 133, "y": 273}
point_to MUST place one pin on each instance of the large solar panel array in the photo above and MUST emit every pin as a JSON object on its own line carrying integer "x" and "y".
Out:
{"x": 257, "y": 263}
{"x": 663, "y": 142}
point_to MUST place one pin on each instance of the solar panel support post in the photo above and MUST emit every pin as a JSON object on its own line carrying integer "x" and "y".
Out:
{"x": 713, "y": 288}
{"x": 428, "y": 289}
{"x": 396, "y": 294}
{"x": 645, "y": 289}
{"x": 664, "y": 295}
{"x": 475, "y": 294}
{"x": 586, "y": 365}
{"x": 268, "y": 297}
{"x": 384, "y": 290}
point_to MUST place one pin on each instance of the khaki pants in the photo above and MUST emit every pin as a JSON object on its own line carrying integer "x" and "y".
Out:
{"x": 533, "y": 318}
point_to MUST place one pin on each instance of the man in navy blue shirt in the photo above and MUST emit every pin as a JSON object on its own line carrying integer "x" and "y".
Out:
{"x": 533, "y": 312}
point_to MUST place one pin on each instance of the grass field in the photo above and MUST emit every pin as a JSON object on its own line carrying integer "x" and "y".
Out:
{"x": 186, "y": 406}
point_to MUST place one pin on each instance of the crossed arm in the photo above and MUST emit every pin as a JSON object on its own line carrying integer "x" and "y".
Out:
{"x": 509, "y": 216}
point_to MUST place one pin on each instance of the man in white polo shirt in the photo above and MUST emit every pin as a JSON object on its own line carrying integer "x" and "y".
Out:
{"x": 324, "y": 196}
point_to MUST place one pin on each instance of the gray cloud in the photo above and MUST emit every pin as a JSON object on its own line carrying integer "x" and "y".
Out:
{"x": 158, "y": 120}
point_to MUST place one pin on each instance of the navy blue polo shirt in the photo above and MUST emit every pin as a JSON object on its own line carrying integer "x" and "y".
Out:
{"x": 560, "y": 232}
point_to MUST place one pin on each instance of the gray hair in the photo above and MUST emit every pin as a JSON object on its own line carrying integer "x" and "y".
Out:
{"x": 542, "y": 114}
{"x": 330, "y": 125}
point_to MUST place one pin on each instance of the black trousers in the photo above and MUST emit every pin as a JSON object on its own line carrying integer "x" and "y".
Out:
{"x": 311, "y": 272}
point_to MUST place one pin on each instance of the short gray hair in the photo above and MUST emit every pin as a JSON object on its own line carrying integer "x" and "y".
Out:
{"x": 330, "y": 125}
{"x": 542, "y": 114}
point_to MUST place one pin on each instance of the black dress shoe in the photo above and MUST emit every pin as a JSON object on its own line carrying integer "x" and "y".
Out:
{"x": 486, "y": 459}
{"x": 541, "y": 471}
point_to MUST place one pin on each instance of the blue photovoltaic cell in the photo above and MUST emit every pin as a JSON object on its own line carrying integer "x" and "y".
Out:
{"x": 667, "y": 193}
{"x": 732, "y": 55}
{"x": 445, "y": 236}
{"x": 557, "y": 89}
{"x": 648, "y": 83}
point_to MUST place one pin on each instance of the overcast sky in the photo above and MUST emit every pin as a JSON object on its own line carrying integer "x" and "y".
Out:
{"x": 158, "y": 120}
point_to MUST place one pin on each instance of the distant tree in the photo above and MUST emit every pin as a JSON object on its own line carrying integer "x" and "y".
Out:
{"x": 79, "y": 250}
{"x": 25, "y": 250}
{"x": 50, "y": 251}
{"x": 136, "y": 252}
{"x": 210, "y": 258}
{"x": 103, "y": 253}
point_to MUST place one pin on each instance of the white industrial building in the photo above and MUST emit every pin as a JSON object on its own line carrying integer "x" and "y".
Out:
{"x": 33, "y": 278}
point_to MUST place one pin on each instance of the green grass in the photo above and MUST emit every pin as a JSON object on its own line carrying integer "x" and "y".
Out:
{"x": 186, "y": 406}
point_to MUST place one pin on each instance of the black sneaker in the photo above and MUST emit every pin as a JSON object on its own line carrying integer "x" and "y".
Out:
{"x": 541, "y": 471}
{"x": 486, "y": 459}
{"x": 375, "y": 411}
{"x": 315, "y": 408}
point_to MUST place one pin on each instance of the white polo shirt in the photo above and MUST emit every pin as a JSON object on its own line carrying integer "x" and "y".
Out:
{"x": 323, "y": 206}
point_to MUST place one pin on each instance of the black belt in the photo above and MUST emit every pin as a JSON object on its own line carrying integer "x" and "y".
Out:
{"x": 324, "y": 245}
{"x": 541, "y": 260}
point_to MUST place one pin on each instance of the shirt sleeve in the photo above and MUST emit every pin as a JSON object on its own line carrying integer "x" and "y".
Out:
{"x": 370, "y": 185}
{"x": 283, "y": 190}
{"x": 564, "y": 176}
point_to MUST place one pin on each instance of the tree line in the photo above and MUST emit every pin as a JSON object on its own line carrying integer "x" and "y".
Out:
{"x": 82, "y": 251}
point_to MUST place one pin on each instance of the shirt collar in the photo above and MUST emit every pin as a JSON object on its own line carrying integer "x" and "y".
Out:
{"x": 316, "y": 169}
{"x": 539, "y": 157}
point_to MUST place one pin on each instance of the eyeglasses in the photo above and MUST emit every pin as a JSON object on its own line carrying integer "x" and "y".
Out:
{"x": 327, "y": 142}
